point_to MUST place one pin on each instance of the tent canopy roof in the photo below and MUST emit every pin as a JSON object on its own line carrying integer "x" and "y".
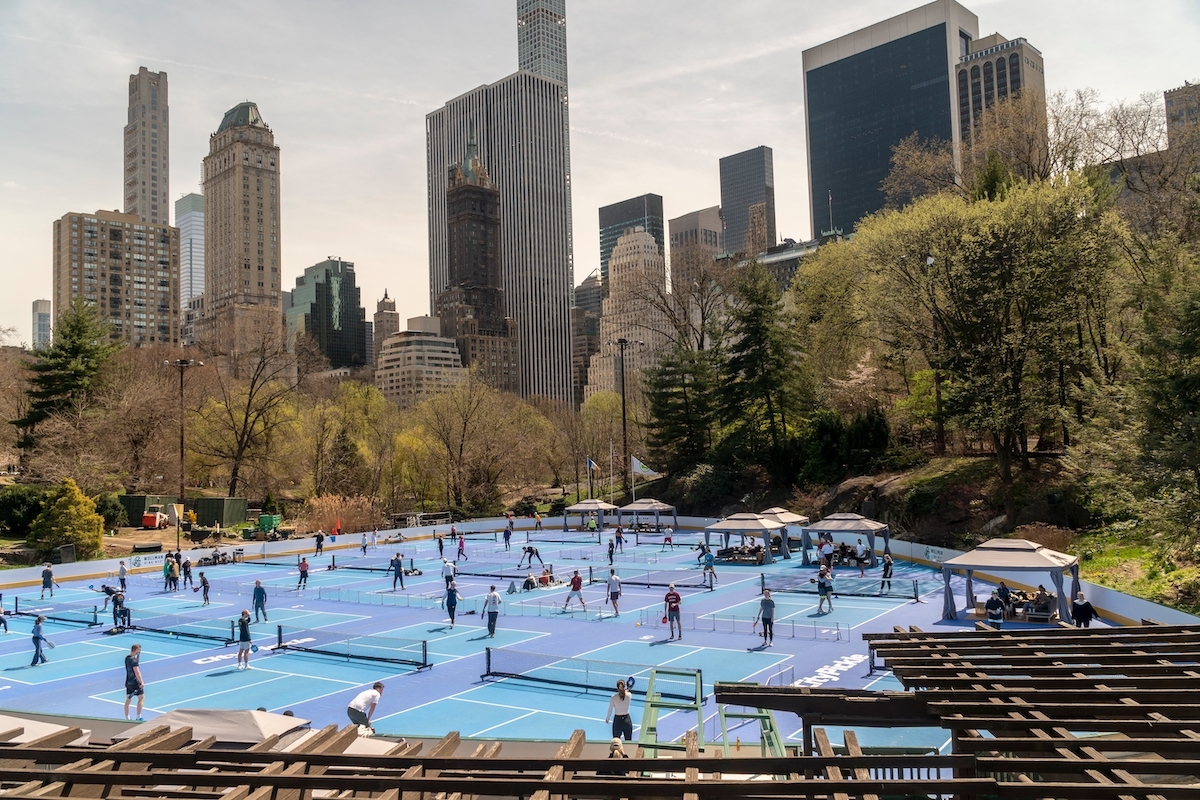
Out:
{"x": 647, "y": 504}
{"x": 591, "y": 505}
{"x": 1012, "y": 554}
{"x": 230, "y": 726}
{"x": 846, "y": 523}
{"x": 745, "y": 521}
{"x": 780, "y": 514}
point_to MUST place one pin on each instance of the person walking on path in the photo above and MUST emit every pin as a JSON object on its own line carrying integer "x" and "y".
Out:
{"x": 612, "y": 548}
{"x": 888, "y": 566}
{"x": 508, "y": 537}
{"x": 320, "y": 542}
{"x": 122, "y": 574}
{"x": 243, "y": 657}
{"x": 1082, "y": 612}
{"x": 396, "y": 567}
{"x": 448, "y": 571}
{"x": 576, "y": 591}
{"x": 260, "y": 601}
{"x": 204, "y": 588}
{"x": 39, "y": 639}
{"x": 766, "y": 613}
{"x": 363, "y": 706}
{"x": 441, "y": 543}
{"x": 620, "y": 536}
{"x": 491, "y": 604}
{"x": 452, "y": 598}
{"x": 671, "y": 603}
{"x": 303, "y": 582}
{"x": 134, "y": 685}
{"x": 187, "y": 574}
{"x": 618, "y": 711}
{"x": 614, "y": 591}
{"x": 375, "y": 539}
{"x": 537, "y": 521}
{"x": 462, "y": 548}
{"x": 824, "y": 582}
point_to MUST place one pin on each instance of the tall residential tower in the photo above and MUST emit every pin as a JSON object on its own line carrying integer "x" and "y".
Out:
{"x": 522, "y": 132}
{"x": 748, "y": 200}
{"x": 147, "y": 148}
{"x": 189, "y": 218}
{"x": 241, "y": 232}
{"x": 645, "y": 211}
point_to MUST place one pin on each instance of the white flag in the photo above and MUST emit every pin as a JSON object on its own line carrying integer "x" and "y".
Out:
{"x": 641, "y": 469}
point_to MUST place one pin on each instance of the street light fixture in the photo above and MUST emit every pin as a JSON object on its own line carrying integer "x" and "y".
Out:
{"x": 624, "y": 344}
{"x": 181, "y": 364}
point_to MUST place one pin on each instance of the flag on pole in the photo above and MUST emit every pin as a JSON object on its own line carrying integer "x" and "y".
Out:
{"x": 639, "y": 468}
{"x": 592, "y": 465}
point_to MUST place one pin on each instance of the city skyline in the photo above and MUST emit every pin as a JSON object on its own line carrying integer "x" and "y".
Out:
{"x": 355, "y": 134}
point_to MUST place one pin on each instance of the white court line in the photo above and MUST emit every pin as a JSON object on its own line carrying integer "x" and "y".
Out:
{"x": 525, "y": 708}
{"x": 502, "y": 724}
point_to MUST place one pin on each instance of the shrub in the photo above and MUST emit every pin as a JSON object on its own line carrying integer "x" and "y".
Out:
{"x": 19, "y": 507}
{"x": 115, "y": 516}
{"x": 558, "y": 507}
{"x": 525, "y": 507}
{"x": 69, "y": 518}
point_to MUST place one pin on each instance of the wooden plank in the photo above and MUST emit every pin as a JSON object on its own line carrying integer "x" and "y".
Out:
{"x": 861, "y": 773}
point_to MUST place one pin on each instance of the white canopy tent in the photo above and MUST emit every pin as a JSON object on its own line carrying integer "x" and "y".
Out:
{"x": 585, "y": 507}
{"x": 847, "y": 523}
{"x": 747, "y": 523}
{"x": 788, "y": 518}
{"x": 648, "y": 505}
{"x": 1012, "y": 555}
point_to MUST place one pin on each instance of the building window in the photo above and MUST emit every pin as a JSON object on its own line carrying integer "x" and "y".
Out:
{"x": 1014, "y": 73}
{"x": 1001, "y": 78}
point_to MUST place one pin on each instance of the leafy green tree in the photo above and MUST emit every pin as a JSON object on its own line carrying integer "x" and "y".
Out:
{"x": 66, "y": 371}
{"x": 1170, "y": 385}
{"x": 19, "y": 507}
{"x": 69, "y": 518}
{"x": 110, "y": 508}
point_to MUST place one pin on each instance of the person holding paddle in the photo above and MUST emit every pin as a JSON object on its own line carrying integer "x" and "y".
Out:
{"x": 47, "y": 581}
{"x": 38, "y": 640}
{"x": 244, "y": 645}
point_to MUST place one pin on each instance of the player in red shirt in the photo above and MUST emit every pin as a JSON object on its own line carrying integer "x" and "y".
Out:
{"x": 671, "y": 603}
{"x": 576, "y": 591}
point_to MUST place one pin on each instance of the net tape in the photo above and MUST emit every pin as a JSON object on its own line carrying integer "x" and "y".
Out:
{"x": 389, "y": 650}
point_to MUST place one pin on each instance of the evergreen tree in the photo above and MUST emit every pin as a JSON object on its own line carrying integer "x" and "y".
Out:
{"x": 761, "y": 386}
{"x": 681, "y": 392}
{"x": 65, "y": 372}
{"x": 69, "y": 518}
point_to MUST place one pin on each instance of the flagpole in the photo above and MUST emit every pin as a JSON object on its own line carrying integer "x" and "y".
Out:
{"x": 587, "y": 465}
{"x": 632, "y": 479}
{"x": 610, "y": 471}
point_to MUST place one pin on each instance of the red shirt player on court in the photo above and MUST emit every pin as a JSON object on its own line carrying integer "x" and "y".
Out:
{"x": 671, "y": 603}
{"x": 576, "y": 591}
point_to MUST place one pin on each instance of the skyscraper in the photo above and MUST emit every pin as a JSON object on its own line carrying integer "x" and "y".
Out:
{"x": 417, "y": 363}
{"x": 636, "y": 264}
{"x": 386, "y": 322}
{"x": 522, "y": 133}
{"x": 1183, "y": 109}
{"x": 702, "y": 228}
{"x": 472, "y": 308}
{"x": 189, "y": 218}
{"x": 327, "y": 307}
{"x": 993, "y": 69}
{"x": 868, "y": 90}
{"x": 147, "y": 148}
{"x": 42, "y": 326}
{"x": 748, "y": 193}
{"x": 241, "y": 231}
{"x": 542, "y": 38}
{"x": 645, "y": 211}
{"x": 127, "y": 269}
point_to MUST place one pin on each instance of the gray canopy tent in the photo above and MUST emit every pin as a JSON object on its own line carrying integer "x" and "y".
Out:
{"x": 747, "y": 523}
{"x": 648, "y": 505}
{"x": 585, "y": 507}
{"x": 847, "y": 523}
{"x": 787, "y": 518}
{"x": 1012, "y": 555}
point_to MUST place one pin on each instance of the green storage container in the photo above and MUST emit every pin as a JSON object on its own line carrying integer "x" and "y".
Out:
{"x": 269, "y": 522}
{"x": 223, "y": 511}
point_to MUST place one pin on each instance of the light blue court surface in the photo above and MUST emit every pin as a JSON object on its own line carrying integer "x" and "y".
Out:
{"x": 85, "y": 673}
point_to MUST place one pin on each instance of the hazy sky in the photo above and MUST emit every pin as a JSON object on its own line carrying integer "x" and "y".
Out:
{"x": 659, "y": 89}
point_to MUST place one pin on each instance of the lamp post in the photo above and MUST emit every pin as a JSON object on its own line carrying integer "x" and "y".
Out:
{"x": 624, "y": 344}
{"x": 181, "y": 364}
{"x": 940, "y": 446}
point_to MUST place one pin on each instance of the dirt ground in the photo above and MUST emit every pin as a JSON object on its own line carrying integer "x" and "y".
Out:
{"x": 122, "y": 544}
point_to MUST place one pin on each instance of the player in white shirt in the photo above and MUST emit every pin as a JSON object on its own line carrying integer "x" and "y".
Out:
{"x": 614, "y": 591}
{"x": 363, "y": 706}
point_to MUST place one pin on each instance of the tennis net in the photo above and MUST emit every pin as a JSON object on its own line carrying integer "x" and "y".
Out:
{"x": 804, "y": 582}
{"x": 209, "y": 630}
{"x": 563, "y": 537}
{"x": 369, "y": 563}
{"x": 496, "y": 569}
{"x": 58, "y": 611}
{"x": 680, "y": 578}
{"x": 586, "y": 673}
{"x": 410, "y": 652}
